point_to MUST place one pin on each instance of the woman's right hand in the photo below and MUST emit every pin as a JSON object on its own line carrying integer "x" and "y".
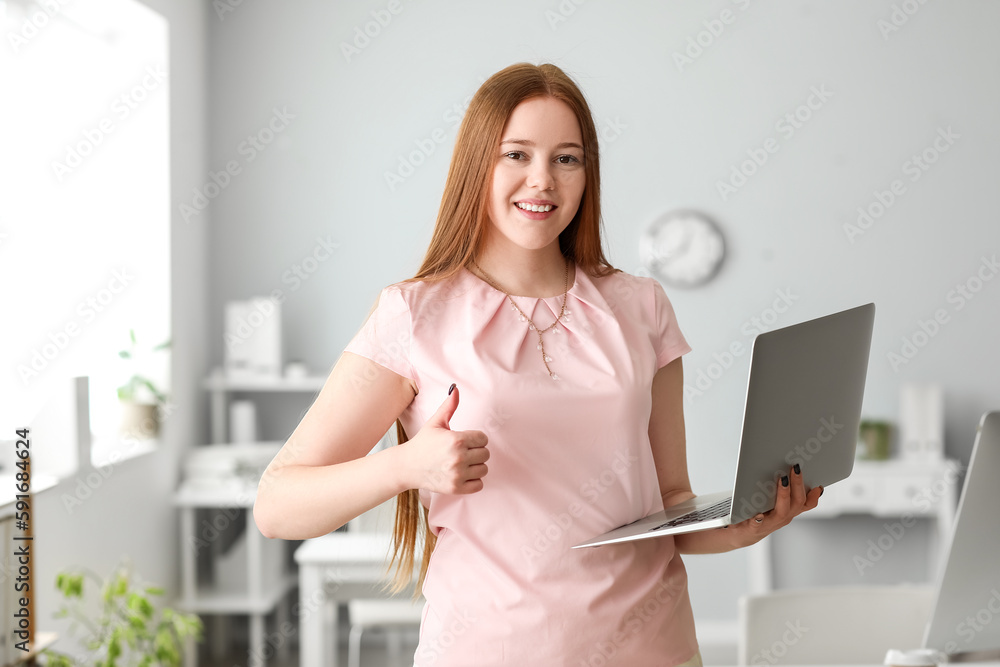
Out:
{"x": 446, "y": 461}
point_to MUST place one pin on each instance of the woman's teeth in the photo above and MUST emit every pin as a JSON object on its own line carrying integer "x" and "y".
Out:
{"x": 534, "y": 207}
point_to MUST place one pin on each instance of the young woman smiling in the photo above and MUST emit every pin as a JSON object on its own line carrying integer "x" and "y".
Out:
{"x": 537, "y": 396}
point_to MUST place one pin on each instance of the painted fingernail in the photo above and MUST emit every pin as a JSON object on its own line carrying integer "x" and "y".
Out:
{"x": 784, "y": 480}
{"x": 451, "y": 388}
{"x": 797, "y": 469}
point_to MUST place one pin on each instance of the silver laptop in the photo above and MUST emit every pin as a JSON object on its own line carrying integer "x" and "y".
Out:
{"x": 965, "y": 621}
{"x": 803, "y": 406}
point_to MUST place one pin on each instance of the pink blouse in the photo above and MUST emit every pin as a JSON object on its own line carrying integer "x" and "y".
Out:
{"x": 569, "y": 459}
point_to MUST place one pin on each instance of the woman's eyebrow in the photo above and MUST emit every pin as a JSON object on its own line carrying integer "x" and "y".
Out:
{"x": 528, "y": 142}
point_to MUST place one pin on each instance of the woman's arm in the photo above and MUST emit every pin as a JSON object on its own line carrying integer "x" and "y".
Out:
{"x": 321, "y": 478}
{"x": 668, "y": 442}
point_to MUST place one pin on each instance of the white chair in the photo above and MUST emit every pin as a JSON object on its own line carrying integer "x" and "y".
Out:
{"x": 390, "y": 615}
{"x": 842, "y": 625}
{"x": 393, "y": 615}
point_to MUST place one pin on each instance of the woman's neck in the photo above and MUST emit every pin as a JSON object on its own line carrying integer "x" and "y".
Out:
{"x": 529, "y": 273}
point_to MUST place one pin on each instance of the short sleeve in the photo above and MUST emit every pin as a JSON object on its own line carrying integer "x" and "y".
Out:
{"x": 385, "y": 336}
{"x": 668, "y": 339}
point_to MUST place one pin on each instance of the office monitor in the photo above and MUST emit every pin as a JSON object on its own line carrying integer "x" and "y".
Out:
{"x": 965, "y": 620}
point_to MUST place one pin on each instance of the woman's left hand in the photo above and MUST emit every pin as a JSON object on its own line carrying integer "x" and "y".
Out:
{"x": 792, "y": 500}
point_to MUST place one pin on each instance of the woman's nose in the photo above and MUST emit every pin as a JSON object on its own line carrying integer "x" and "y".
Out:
{"x": 541, "y": 177}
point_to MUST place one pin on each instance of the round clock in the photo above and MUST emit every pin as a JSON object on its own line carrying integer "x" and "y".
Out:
{"x": 683, "y": 248}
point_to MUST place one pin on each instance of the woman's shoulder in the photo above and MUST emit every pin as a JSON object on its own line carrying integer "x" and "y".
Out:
{"x": 417, "y": 293}
{"x": 620, "y": 288}
{"x": 616, "y": 276}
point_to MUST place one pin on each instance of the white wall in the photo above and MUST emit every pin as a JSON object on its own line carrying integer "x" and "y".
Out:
{"x": 128, "y": 512}
{"x": 672, "y": 134}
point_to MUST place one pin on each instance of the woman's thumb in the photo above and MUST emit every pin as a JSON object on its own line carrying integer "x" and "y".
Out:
{"x": 447, "y": 409}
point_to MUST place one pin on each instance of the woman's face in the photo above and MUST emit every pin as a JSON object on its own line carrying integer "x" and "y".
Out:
{"x": 539, "y": 165}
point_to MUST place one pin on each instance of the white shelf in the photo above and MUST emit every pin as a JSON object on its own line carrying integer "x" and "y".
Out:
{"x": 43, "y": 640}
{"x": 227, "y": 493}
{"x": 218, "y": 601}
{"x": 8, "y": 490}
{"x": 106, "y": 451}
{"x": 220, "y": 382}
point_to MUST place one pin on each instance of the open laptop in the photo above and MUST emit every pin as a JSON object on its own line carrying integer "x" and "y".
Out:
{"x": 965, "y": 620}
{"x": 803, "y": 406}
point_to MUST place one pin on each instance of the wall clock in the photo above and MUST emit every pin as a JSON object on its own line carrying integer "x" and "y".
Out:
{"x": 683, "y": 248}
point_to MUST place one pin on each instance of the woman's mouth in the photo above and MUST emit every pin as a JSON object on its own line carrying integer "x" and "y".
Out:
{"x": 535, "y": 209}
{"x": 524, "y": 206}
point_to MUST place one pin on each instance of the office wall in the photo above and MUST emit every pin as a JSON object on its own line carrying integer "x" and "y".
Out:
{"x": 361, "y": 128}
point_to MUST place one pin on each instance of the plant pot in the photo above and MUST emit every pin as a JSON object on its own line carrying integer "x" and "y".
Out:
{"x": 140, "y": 421}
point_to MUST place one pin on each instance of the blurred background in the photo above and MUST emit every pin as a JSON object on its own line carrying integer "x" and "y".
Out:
{"x": 239, "y": 180}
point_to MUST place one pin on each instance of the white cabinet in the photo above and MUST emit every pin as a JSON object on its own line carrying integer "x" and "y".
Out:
{"x": 895, "y": 488}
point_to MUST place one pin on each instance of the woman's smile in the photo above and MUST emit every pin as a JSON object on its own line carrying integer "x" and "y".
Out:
{"x": 535, "y": 209}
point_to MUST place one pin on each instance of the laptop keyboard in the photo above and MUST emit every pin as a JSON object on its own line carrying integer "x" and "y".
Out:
{"x": 715, "y": 511}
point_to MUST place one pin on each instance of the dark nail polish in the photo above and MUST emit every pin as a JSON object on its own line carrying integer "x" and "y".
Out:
{"x": 821, "y": 489}
{"x": 784, "y": 480}
{"x": 797, "y": 469}
{"x": 451, "y": 388}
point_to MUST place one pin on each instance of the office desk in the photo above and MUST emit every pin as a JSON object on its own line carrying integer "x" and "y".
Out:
{"x": 335, "y": 568}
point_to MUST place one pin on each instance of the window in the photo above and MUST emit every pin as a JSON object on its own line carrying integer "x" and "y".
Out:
{"x": 85, "y": 215}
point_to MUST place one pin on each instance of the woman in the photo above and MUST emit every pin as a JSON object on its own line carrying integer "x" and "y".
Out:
{"x": 519, "y": 344}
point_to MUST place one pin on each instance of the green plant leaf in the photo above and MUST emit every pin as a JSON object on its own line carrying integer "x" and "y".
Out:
{"x": 70, "y": 585}
{"x": 115, "y": 644}
{"x": 56, "y": 659}
{"x": 116, "y": 587}
{"x": 141, "y": 605}
{"x": 131, "y": 636}
{"x": 166, "y": 648}
{"x": 156, "y": 392}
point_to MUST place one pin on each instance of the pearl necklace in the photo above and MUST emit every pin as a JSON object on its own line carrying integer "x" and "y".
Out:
{"x": 563, "y": 315}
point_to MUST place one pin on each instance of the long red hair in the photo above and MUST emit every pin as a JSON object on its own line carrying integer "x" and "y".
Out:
{"x": 462, "y": 224}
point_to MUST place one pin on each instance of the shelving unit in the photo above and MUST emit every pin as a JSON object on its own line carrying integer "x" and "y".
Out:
{"x": 220, "y": 388}
{"x": 266, "y": 582}
{"x": 254, "y": 576}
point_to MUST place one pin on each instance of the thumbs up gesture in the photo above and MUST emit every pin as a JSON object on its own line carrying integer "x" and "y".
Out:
{"x": 447, "y": 461}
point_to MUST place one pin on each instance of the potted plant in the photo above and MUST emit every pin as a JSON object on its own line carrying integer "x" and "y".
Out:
{"x": 140, "y": 418}
{"x": 129, "y": 630}
{"x": 874, "y": 439}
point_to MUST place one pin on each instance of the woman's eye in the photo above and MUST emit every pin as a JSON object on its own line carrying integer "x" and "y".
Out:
{"x": 515, "y": 155}
{"x": 567, "y": 159}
